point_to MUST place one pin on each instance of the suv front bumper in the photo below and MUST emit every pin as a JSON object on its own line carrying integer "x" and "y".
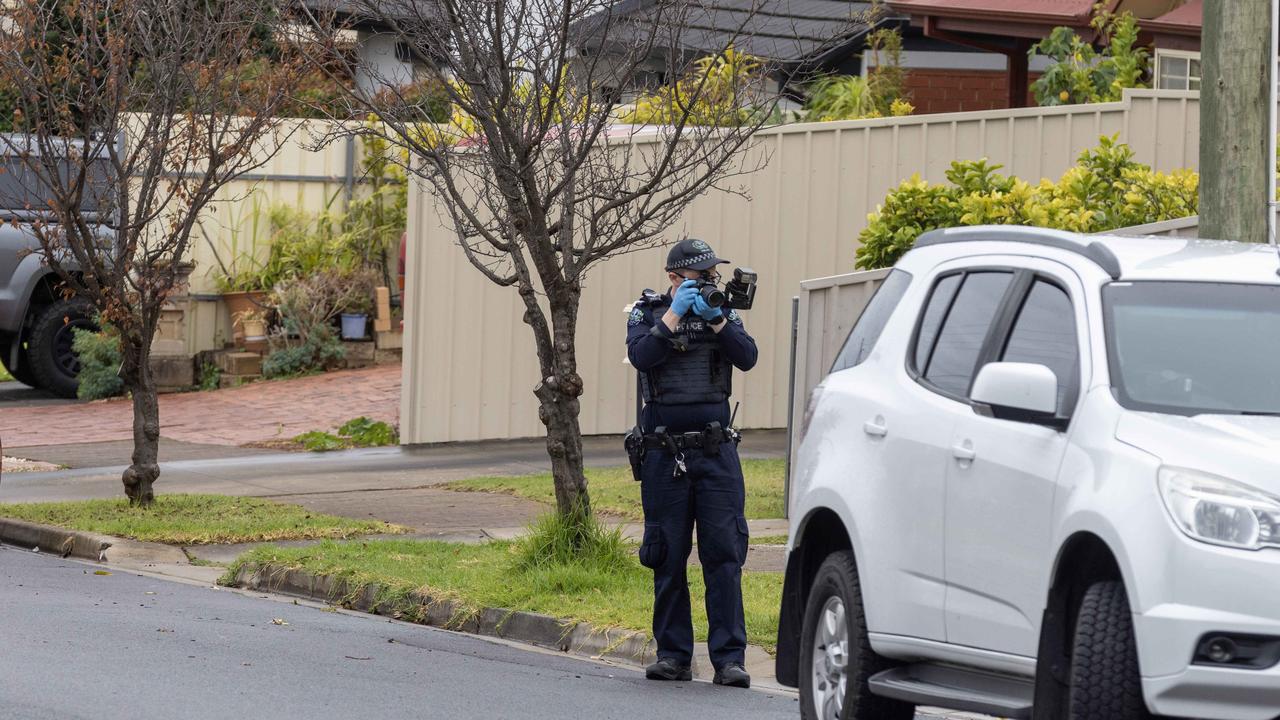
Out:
{"x": 1212, "y": 590}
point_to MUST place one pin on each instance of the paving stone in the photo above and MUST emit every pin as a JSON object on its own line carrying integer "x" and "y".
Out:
{"x": 234, "y": 416}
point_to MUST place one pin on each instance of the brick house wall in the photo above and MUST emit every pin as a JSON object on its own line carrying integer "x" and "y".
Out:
{"x": 942, "y": 91}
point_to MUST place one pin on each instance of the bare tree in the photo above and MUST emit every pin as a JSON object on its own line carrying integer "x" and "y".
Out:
{"x": 542, "y": 177}
{"x": 134, "y": 114}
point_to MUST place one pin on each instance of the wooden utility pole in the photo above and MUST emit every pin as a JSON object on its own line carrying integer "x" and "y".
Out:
{"x": 1233, "y": 120}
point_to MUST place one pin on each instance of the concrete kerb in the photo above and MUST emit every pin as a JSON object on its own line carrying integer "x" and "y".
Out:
{"x": 89, "y": 546}
{"x": 55, "y": 540}
{"x": 544, "y": 631}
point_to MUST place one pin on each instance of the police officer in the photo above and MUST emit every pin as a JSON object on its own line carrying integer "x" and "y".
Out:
{"x": 685, "y": 351}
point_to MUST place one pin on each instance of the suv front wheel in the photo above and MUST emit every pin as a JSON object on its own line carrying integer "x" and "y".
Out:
{"x": 1104, "y": 658}
{"x": 52, "y": 361}
{"x": 835, "y": 653}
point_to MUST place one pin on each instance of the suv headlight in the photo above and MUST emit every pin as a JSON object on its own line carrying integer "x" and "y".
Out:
{"x": 1220, "y": 511}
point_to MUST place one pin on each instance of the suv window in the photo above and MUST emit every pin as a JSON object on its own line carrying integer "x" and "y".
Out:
{"x": 939, "y": 301}
{"x": 1045, "y": 333}
{"x": 951, "y": 363}
{"x": 872, "y": 321}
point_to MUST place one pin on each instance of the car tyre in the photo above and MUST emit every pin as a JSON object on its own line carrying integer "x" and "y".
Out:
{"x": 52, "y": 363}
{"x": 835, "y": 652}
{"x": 1105, "y": 682}
{"x": 22, "y": 373}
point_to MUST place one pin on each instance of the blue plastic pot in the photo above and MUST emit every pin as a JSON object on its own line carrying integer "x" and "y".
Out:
{"x": 353, "y": 326}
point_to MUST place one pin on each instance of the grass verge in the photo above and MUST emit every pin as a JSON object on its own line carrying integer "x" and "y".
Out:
{"x": 613, "y": 491}
{"x": 769, "y": 540}
{"x": 196, "y": 519}
{"x": 604, "y": 586}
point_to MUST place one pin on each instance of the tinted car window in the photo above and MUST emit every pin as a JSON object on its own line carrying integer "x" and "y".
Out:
{"x": 955, "y": 355}
{"x": 872, "y": 321}
{"x": 1045, "y": 333}
{"x": 939, "y": 300}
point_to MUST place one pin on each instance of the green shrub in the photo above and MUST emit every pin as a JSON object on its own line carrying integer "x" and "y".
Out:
{"x": 100, "y": 360}
{"x": 1106, "y": 189}
{"x": 210, "y": 375}
{"x": 357, "y": 432}
{"x": 852, "y": 97}
{"x": 1080, "y": 74}
{"x": 365, "y": 432}
{"x": 319, "y": 351}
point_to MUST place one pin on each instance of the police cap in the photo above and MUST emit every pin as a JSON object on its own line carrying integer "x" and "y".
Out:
{"x": 692, "y": 254}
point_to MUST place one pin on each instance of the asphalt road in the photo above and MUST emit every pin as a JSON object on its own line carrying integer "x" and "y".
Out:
{"x": 81, "y": 645}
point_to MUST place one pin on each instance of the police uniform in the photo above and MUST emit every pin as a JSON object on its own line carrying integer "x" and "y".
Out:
{"x": 690, "y": 473}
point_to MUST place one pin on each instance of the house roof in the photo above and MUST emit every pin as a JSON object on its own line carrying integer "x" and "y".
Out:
{"x": 373, "y": 13}
{"x": 789, "y": 32}
{"x": 1055, "y": 12}
{"x": 1186, "y": 20}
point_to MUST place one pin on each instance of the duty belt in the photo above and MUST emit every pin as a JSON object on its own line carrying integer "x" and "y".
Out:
{"x": 708, "y": 439}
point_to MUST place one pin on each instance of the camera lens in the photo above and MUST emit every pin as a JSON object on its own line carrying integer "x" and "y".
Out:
{"x": 712, "y": 294}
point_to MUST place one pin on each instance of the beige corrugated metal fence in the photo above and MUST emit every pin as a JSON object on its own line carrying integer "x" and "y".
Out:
{"x": 469, "y": 366}
{"x": 300, "y": 176}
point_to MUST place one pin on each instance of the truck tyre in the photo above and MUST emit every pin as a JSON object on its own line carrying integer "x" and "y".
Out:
{"x": 52, "y": 363}
{"x": 22, "y": 373}
{"x": 1105, "y": 684}
{"x": 835, "y": 653}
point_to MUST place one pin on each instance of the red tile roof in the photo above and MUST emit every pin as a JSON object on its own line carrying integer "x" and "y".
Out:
{"x": 1185, "y": 20}
{"x": 1056, "y": 12}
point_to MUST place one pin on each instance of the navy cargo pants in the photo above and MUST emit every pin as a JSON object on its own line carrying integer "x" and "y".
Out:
{"x": 709, "y": 494}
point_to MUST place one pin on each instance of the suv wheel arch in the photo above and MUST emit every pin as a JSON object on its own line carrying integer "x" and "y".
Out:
{"x": 1085, "y": 559}
{"x": 820, "y": 534}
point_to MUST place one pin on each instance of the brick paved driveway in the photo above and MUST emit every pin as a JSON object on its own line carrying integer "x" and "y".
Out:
{"x": 259, "y": 411}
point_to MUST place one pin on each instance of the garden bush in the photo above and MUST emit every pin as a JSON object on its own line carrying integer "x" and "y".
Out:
{"x": 1105, "y": 190}
{"x": 851, "y": 97}
{"x": 100, "y": 359}
{"x": 1080, "y": 74}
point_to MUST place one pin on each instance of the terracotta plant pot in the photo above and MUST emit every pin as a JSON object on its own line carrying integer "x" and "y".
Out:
{"x": 243, "y": 302}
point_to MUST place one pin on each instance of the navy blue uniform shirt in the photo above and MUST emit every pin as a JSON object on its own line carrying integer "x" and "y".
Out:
{"x": 647, "y": 351}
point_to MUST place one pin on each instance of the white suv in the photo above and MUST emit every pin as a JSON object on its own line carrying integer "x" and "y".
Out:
{"x": 1045, "y": 473}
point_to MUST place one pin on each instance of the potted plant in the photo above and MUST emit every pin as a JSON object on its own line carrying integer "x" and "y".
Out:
{"x": 253, "y": 325}
{"x": 357, "y": 304}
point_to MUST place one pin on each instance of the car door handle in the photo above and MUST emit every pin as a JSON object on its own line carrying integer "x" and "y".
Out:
{"x": 876, "y": 427}
{"x": 964, "y": 451}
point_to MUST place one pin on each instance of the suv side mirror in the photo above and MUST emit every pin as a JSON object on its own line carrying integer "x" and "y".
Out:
{"x": 1026, "y": 392}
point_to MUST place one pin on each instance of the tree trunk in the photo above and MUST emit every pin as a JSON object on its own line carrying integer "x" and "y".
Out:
{"x": 141, "y": 475}
{"x": 1233, "y": 120}
{"x": 559, "y": 406}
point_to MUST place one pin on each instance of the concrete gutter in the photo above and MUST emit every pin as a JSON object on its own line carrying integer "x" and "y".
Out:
{"x": 570, "y": 636}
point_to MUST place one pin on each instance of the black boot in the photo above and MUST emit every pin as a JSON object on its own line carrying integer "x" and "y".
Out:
{"x": 733, "y": 675}
{"x": 668, "y": 669}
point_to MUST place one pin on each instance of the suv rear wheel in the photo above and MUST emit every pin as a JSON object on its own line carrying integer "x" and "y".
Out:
{"x": 836, "y": 655}
{"x": 53, "y": 363}
{"x": 1104, "y": 659}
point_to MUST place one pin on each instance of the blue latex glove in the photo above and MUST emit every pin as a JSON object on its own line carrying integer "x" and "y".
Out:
{"x": 705, "y": 311}
{"x": 684, "y": 297}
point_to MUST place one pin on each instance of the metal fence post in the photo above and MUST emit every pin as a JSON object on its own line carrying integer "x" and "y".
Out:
{"x": 350, "y": 169}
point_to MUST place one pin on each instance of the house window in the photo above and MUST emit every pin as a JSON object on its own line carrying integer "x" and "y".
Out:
{"x": 1177, "y": 70}
{"x": 404, "y": 53}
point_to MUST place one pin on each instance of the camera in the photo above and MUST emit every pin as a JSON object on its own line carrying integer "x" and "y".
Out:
{"x": 738, "y": 294}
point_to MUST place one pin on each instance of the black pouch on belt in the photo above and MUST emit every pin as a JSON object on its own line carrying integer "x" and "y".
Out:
{"x": 633, "y": 442}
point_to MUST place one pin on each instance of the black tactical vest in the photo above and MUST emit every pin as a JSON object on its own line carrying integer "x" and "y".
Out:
{"x": 699, "y": 373}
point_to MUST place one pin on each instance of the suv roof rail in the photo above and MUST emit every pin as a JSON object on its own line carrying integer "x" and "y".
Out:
{"x": 1093, "y": 250}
